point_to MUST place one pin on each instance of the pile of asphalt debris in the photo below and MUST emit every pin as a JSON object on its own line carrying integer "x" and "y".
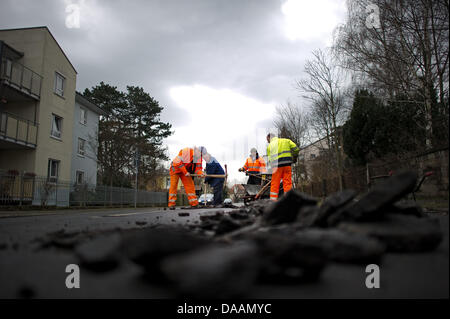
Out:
{"x": 289, "y": 241}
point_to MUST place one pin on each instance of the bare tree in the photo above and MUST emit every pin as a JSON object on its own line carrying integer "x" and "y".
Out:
{"x": 324, "y": 87}
{"x": 405, "y": 54}
{"x": 292, "y": 123}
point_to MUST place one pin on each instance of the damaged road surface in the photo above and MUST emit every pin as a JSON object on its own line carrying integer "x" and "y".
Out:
{"x": 298, "y": 247}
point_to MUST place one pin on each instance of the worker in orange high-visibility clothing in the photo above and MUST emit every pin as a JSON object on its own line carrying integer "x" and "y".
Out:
{"x": 254, "y": 165}
{"x": 188, "y": 161}
{"x": 281, "y": 153}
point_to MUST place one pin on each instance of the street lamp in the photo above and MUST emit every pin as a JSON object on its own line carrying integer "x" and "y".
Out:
{"x": 136, "y": 163}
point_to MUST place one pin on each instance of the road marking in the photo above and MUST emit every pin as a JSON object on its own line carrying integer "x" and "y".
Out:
{"x": 119, "y": 215}
{"x": 128, "y": 214}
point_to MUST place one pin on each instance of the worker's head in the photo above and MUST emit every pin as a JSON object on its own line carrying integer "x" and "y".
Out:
{"x": 199, "y": 151}
{"x": 270, "y": 136}
{"x": 207, "y": 157}
{"x": 254, "y": 153}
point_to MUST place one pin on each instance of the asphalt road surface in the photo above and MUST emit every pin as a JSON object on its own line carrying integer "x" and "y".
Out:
{"x": 29, "y": 271}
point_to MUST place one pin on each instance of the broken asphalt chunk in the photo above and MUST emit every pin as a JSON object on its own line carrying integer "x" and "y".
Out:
{"x": 341, "y": 246}
{"x": 216, "y": 271}
{"x": 228, "y": 224}
{"x": 286, "y": 208}
{"x": 400, "y": 233}
{"x": 307, "y": 216}
{"x": 371, "y": 206}
{"x": 405, "y": 208}
{"x": 100, "y": 254}
{"x": 61, "y": 239}
{"x": 286, "y": 259}
{"x": 148, "y": 246}
{"x": 239, "y": 214}
{"x": 331, "y": 204}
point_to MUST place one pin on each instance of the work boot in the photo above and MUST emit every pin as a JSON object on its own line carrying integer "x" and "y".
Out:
{"x": 172, "y": 208}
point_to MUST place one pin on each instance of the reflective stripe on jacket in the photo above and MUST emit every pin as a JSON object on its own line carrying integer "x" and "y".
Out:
{"x": 280, "y": 152}
{"x": 256, "y": 166}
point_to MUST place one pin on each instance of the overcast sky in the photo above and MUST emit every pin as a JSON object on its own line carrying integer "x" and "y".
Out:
{"x": 218, "y": 67}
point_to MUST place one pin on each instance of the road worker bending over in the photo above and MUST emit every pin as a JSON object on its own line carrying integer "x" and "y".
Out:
{"x": 281, "y": 153}
{"x": 188, "y": 161}
{"x": 254, "y": 165}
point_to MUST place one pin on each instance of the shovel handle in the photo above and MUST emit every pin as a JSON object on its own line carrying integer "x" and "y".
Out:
{"x": 212, "y": 175}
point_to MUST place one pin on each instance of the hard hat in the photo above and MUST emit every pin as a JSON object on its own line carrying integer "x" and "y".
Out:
{"x": 253, "y": 150}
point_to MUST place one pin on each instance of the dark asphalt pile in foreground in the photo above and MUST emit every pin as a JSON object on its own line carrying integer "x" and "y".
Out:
{"x": 287, "y": 242}
{"x": 292, "y": 240}
{"x": 292, "y": 248}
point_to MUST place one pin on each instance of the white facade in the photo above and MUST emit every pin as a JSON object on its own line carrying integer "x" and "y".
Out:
{"x": 85, "y": 141}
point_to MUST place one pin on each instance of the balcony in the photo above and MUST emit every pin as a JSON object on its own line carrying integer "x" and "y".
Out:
{"x": 21, "y": 78}
{"x": 17, "y": 131}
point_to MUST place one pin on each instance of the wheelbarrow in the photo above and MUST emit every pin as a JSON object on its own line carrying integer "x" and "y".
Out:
{"x": 255, "y": 192}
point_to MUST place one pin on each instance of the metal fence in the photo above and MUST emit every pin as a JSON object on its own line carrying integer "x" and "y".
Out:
{"x": 26, "y": 189}
{"x": 356, "y": 178}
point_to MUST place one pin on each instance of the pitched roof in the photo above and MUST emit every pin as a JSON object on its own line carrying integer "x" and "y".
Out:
{"x": 46, "y": 28}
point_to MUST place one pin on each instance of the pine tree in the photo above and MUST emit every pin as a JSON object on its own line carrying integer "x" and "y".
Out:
{"x": 132, "y": 123}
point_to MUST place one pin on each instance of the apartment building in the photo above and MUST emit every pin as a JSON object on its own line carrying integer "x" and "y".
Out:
{"x": 37, "y": 97}
{"x": 85, "y": 142}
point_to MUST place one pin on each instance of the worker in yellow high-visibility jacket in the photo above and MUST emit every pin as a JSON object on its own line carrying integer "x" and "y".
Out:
{"x": 281, "y": 153}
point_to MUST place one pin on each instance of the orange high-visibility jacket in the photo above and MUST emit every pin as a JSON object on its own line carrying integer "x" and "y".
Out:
{"x": 256, "y": 166}
{"x": 185, "y": 163}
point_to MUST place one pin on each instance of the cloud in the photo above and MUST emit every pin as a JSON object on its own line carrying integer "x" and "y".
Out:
{"x": 311, "y": 20}
{"x": 222, "y": 120}
{"x": 217, "y": 67}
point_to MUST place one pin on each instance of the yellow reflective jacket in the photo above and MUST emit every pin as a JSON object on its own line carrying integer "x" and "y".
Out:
{"x": 280, "y": 152}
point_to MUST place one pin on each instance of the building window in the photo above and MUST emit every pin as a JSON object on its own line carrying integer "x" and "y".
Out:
{"x": 313, "y": 156}
{"x": 56, "y": 126}
{"x": 81, "y": 144}
{"x": 3, "y": 123}
{"x": 8, "y": 69}
{"x": 59, "y": 84}
{"x": 83, "y": 116}
{"x": 80, "y": 177}
{"x": 53, "y": 169}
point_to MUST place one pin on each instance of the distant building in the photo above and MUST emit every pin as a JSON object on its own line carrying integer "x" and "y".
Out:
{"x": 320, "y": 156}
{"x": 85, "y": 141}
{"x": 310, "y": 153}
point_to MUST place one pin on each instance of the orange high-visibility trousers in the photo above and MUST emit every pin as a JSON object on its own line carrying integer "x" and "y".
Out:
{"x": 189, "y": 187}
{"x": 280, "y": 173}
